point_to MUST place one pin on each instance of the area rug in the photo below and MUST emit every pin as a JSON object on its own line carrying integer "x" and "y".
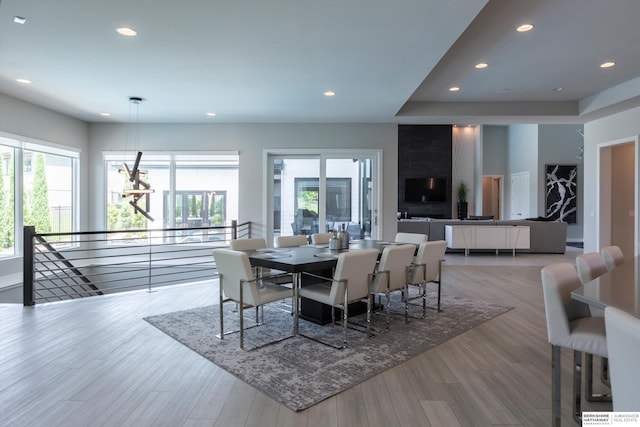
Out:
{"x": 299, "y": 372}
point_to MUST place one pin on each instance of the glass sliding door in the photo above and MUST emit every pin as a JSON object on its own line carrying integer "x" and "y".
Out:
{"x": 296, "y": 193}
{"x": 322, "y": 193}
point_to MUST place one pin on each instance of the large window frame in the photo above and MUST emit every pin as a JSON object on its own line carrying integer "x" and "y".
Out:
{"x": 24, "y": 148}
{"x": 172, "y": 189}
{"x": 272, "y": 204}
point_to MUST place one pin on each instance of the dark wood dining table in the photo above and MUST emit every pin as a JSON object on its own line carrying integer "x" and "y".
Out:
{"x": 306, "y": 259}
{"x": 619, "y": 287}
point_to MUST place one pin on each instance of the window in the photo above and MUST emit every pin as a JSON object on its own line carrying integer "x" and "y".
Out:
{"x": 47, "y": 182}
{"x": 189, "y": 190}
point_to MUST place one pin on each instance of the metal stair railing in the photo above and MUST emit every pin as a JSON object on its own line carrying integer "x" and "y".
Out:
{"x": 61, "y": 266}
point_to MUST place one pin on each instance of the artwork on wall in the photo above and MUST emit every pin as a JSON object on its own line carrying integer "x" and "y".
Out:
{"x": 561, "y": 192}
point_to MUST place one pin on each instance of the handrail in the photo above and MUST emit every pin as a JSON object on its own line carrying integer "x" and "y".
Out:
{"x": 60, "y": 266}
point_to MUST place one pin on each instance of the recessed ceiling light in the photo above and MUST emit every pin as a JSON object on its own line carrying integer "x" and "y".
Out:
{"x": 329, "y": 93}
{"x": 211, "y": 114}
{"x": 481, "y": 65}
{"x": 524, "y": 28}
{"x": 454, "y": 89}
{"x": 24, "y": 81}
{"x": 607, "y": 64}
{"x": 126, "y": 31}
{"x": 19, "y": 19}
{"x": 105, "y": 114}
{"x": 557, "y": 89}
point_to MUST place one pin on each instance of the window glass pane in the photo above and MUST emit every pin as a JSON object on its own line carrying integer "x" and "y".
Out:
{"x": 121, "y": 193}
{"x": 47, "y": 192}
{"x": 205, "y": 193}
{"x": 7, "y": 194}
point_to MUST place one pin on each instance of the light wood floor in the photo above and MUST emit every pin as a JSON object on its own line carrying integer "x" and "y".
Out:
{"x": 95, "y": 362}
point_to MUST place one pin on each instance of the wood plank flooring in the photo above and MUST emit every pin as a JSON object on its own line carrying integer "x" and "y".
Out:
{"x": 95, "y": 362}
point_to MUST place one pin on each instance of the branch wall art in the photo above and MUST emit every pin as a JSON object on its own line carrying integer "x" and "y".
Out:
{"x": 561, "y": 192}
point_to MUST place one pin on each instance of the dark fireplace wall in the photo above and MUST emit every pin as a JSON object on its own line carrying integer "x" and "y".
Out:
{"x": 424, "y": 151}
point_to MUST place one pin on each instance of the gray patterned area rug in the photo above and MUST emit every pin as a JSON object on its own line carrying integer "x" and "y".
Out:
{"x": 299, "y": 372}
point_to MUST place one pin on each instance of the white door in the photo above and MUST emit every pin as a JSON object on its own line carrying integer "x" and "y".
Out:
{"x": 520, "y": 195}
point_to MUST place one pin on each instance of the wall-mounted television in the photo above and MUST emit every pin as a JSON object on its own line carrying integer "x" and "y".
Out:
{"x": 425, "y": 189}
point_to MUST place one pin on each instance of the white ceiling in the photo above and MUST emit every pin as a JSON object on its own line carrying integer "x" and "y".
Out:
{"x": 271, "y": 60}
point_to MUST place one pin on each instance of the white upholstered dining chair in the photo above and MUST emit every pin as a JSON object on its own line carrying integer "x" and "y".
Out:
{"x": 427, "y": 268}
{"x": 415, "y": 238}
{"x": 248, "y": 244}
{"x": 623, "y": 346}
{"x": 350, "y": 283}
{"x": 291, "y": 241}
{"x": 392, "y": 274}
{"x": 612, "y": 256}
{"x": 320, "y": 238}
{"x": 590, "y": 266}
{"x": 239, "y": 284}
{"x": 570, "y": 325}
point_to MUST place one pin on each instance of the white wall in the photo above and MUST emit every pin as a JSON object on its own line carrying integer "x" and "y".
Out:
{"x": 558, "y": 144}
{"x": 250, "y": 140}
{"x": 522, "y": 156}
{"x": 39, "y": 124}
{"x": 494, "y": 147}
{"x": 617, "y": 127}
{"x": 464, "y": 160}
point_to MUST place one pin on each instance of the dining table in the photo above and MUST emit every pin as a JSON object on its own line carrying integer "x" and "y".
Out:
{"x": 619, "y": 287}
{"x": 308, "y": 259}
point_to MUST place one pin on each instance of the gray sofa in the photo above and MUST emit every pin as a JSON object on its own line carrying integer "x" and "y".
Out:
{"x": 546, "y": 237}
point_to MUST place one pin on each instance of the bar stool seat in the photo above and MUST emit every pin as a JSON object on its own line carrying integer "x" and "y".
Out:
{"x": 570, "y": 325}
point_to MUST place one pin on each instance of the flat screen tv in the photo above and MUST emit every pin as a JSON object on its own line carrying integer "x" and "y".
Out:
{"x": 425, "y": 190}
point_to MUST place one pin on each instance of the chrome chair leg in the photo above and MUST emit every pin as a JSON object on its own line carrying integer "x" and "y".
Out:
{"x": 555, "y": 386}
{"x": 577, "y": 386}
{"x": 590, "y": 395}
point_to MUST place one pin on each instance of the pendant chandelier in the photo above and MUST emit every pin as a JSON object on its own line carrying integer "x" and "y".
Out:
{"x": 136, "y": 185}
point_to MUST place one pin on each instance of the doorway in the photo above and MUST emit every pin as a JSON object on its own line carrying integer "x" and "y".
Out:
{"x": 492, "y": 196}
{"x": 617, "y": 204}
{"x": 520, "y": 184}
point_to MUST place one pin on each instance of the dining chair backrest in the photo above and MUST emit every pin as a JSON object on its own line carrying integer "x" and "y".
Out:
{"x": 415, "y": 238}
{"x": 320, "y": 238}
{"x": 291, "y": 241}
{"x": 234, "y": 267}
{"x": 612, "y": 256}
{"x": 396, "y": 260}
{"x": 354, "y": 267}
{"x": 623, "y": 347}
{"x": 248, "y": 244}
{"x": 558, "y": 280}
{"x": 590, "y": 266}
{"x": 429, "y": 254}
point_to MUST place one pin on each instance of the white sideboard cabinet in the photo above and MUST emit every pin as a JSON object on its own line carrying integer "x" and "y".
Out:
{"x": 496, "y": 237}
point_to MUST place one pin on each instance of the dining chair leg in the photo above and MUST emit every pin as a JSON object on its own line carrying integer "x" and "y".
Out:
{"x": 555, "y": 386}
{"x": 241, "y": 309}
{"x": 221, "y": 309}
{"x": 423, "y": 287}
{"x": 439, "y": 282}
{"x": 368, "y": 317}
{"x": 345, "y": 316}
{"x": 590, "y": 395}
{"x": 406, "y": 303}
{"x": 387, "y": 315}
{"x": 577, "y": 386}
{"x": 604, "y": 372}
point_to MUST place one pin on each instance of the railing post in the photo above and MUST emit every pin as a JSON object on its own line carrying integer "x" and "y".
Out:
{"x": 234, "y": 229}
{"x": 28, "y": 294}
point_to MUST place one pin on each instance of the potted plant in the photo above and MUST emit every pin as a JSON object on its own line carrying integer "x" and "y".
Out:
{"x": 462, "y": 192}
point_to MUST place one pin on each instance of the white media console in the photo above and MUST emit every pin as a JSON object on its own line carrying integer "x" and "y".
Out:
{"x": 487, "y": 237}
